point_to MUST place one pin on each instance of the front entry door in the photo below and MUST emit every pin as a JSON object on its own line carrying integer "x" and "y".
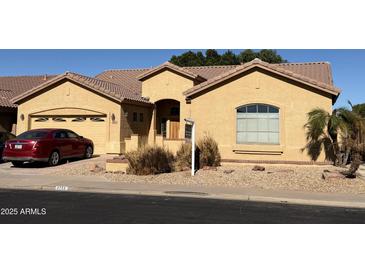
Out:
{"x": 174, "y": 129}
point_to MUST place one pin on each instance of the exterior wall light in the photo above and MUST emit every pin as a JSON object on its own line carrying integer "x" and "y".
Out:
{"x": 22, "y": 117}
{"x": 113, "y": 117}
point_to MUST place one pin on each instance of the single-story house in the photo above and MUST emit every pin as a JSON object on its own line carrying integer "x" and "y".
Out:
{"x": 255, "y": 111}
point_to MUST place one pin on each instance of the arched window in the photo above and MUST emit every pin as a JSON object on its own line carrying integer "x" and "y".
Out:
{"x": 258, "y": 124}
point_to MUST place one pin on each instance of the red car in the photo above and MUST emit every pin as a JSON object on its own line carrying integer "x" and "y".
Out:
{"x": 47, "y": 145}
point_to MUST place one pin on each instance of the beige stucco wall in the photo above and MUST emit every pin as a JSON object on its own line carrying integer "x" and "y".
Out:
{"x": 68, "y": 95}
{"x": 215, "y": 114}
{"x": 213, "y": 111}
{"x": 130, "y": 127}
{"x": 168, "y": 85}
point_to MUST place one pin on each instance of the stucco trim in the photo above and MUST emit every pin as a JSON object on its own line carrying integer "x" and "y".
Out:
{"x": 258, "y": 152}
{"x": 243, "y": 162}
{"x": 83, "y": 111}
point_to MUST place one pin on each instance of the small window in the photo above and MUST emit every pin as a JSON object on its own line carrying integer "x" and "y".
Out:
{"x": 97, "y": 119}
{"x": 41, "y": 119}
{"x": 58, "y": 119}
{"x": 135, "y": 117}
{"x": 141, "y": 117}
{"x": 175, "y": 111}
{"x": 79, "y": 119}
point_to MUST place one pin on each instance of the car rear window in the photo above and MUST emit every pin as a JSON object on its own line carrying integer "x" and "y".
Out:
{"x": 32, "y": 135}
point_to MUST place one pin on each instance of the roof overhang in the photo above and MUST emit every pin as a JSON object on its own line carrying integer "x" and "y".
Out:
{"x": 72, "y": 77}
{"x": 171, "y": 67}
{"x": 258, "y": 64}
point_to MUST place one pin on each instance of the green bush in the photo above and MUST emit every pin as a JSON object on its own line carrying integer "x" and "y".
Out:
{"x": 150, "y": 160}
{"x": 183, "y": 157}
{"x": 208, "y": 152}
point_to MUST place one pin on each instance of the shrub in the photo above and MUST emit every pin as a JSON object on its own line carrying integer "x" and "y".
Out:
{"x": 208, "y": 152}
{"x": 183, "y": 157}
{"x": 150, "y": 160}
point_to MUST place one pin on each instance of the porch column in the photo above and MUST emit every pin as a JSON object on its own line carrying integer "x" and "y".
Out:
{"x": 152, "y": 131}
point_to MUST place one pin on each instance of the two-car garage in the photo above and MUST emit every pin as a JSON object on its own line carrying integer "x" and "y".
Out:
{"x": 90, "y": 107}
{"x": 91, "y": 127}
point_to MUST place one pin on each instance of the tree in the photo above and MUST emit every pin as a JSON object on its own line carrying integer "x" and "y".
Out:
{"x": 270, "y": 56}
{"x": 213, "y": 58}
{"x": 323, "y": 130}
{"x": 355, "y": 137}
{"x": 188, "y": 59}
{"x": 247, "y": 56}
{"x": 229, "y": 58}
{"x": 360, "y": 109}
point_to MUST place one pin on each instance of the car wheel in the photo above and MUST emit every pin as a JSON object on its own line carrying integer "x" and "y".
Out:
{"x": 54, "y": 159}
{"x": 17, "y": 163}
{"x": 88, "y": 152}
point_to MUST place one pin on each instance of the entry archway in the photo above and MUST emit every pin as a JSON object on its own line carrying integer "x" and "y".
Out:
{"x": 168, "y": 118}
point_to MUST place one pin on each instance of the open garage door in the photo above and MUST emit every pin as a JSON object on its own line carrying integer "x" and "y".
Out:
{"x": 93, "y": 127}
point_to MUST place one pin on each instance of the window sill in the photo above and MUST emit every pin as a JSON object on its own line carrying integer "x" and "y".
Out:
{"x": 260, "y": 149}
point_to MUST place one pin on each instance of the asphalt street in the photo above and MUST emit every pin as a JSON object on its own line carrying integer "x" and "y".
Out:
{"x": 70, "y": 207}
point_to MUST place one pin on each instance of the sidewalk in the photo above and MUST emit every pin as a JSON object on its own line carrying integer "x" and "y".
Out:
{"x": 97, "y": 184}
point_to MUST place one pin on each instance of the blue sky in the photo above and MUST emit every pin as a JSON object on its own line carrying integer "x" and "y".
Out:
{"x": 348, "y": 66}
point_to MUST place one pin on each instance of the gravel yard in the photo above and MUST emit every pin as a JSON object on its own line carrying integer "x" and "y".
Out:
{"x": 280, "y": 177}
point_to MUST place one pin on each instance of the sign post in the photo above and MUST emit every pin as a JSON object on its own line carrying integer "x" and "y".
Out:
{"x": 192, "y": 124}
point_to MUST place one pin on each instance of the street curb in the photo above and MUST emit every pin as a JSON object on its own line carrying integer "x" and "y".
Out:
{"x": 235, "y": 197}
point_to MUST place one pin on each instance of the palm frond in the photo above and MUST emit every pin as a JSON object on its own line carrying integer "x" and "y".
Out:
{"x": 317, "y": 123}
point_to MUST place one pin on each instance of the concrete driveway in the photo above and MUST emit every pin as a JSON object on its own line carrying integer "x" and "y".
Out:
{"x": 43, "y": 169}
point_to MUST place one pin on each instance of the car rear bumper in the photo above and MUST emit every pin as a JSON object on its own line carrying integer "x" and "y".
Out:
{"x": 24, "y": 159}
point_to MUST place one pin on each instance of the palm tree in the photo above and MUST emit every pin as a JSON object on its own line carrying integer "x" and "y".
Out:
{"x": 322, "y": 130}
{"x": 355, "y": 120}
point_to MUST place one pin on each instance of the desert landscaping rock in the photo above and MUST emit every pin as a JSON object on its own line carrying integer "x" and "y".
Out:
{"x": 258, "y": 168}
{"x": 332, "y": 175}
{"x": 210, "y": 168}
{"x": 299, "y": 178}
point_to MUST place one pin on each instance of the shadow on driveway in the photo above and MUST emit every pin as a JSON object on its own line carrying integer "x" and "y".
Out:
{"x": 45, "y": 165}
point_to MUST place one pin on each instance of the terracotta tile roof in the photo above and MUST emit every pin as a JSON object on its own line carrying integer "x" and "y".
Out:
{"x": 125, "y": 84}
{"x": 275, "y": 68}
{"x": 5, "y": 97}
{"x": 12, "y": 86}
{"x": 320, "y": 72}
{"x": 109, "y": 89}
{"x": 129, "y": 77}
{"x": 167, "y": 65}
{"x": 125, "y": 77}
{"x": 209, "y": 72}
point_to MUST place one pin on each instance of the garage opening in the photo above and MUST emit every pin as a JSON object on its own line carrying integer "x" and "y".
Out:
{"x": 91, "y": 127}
